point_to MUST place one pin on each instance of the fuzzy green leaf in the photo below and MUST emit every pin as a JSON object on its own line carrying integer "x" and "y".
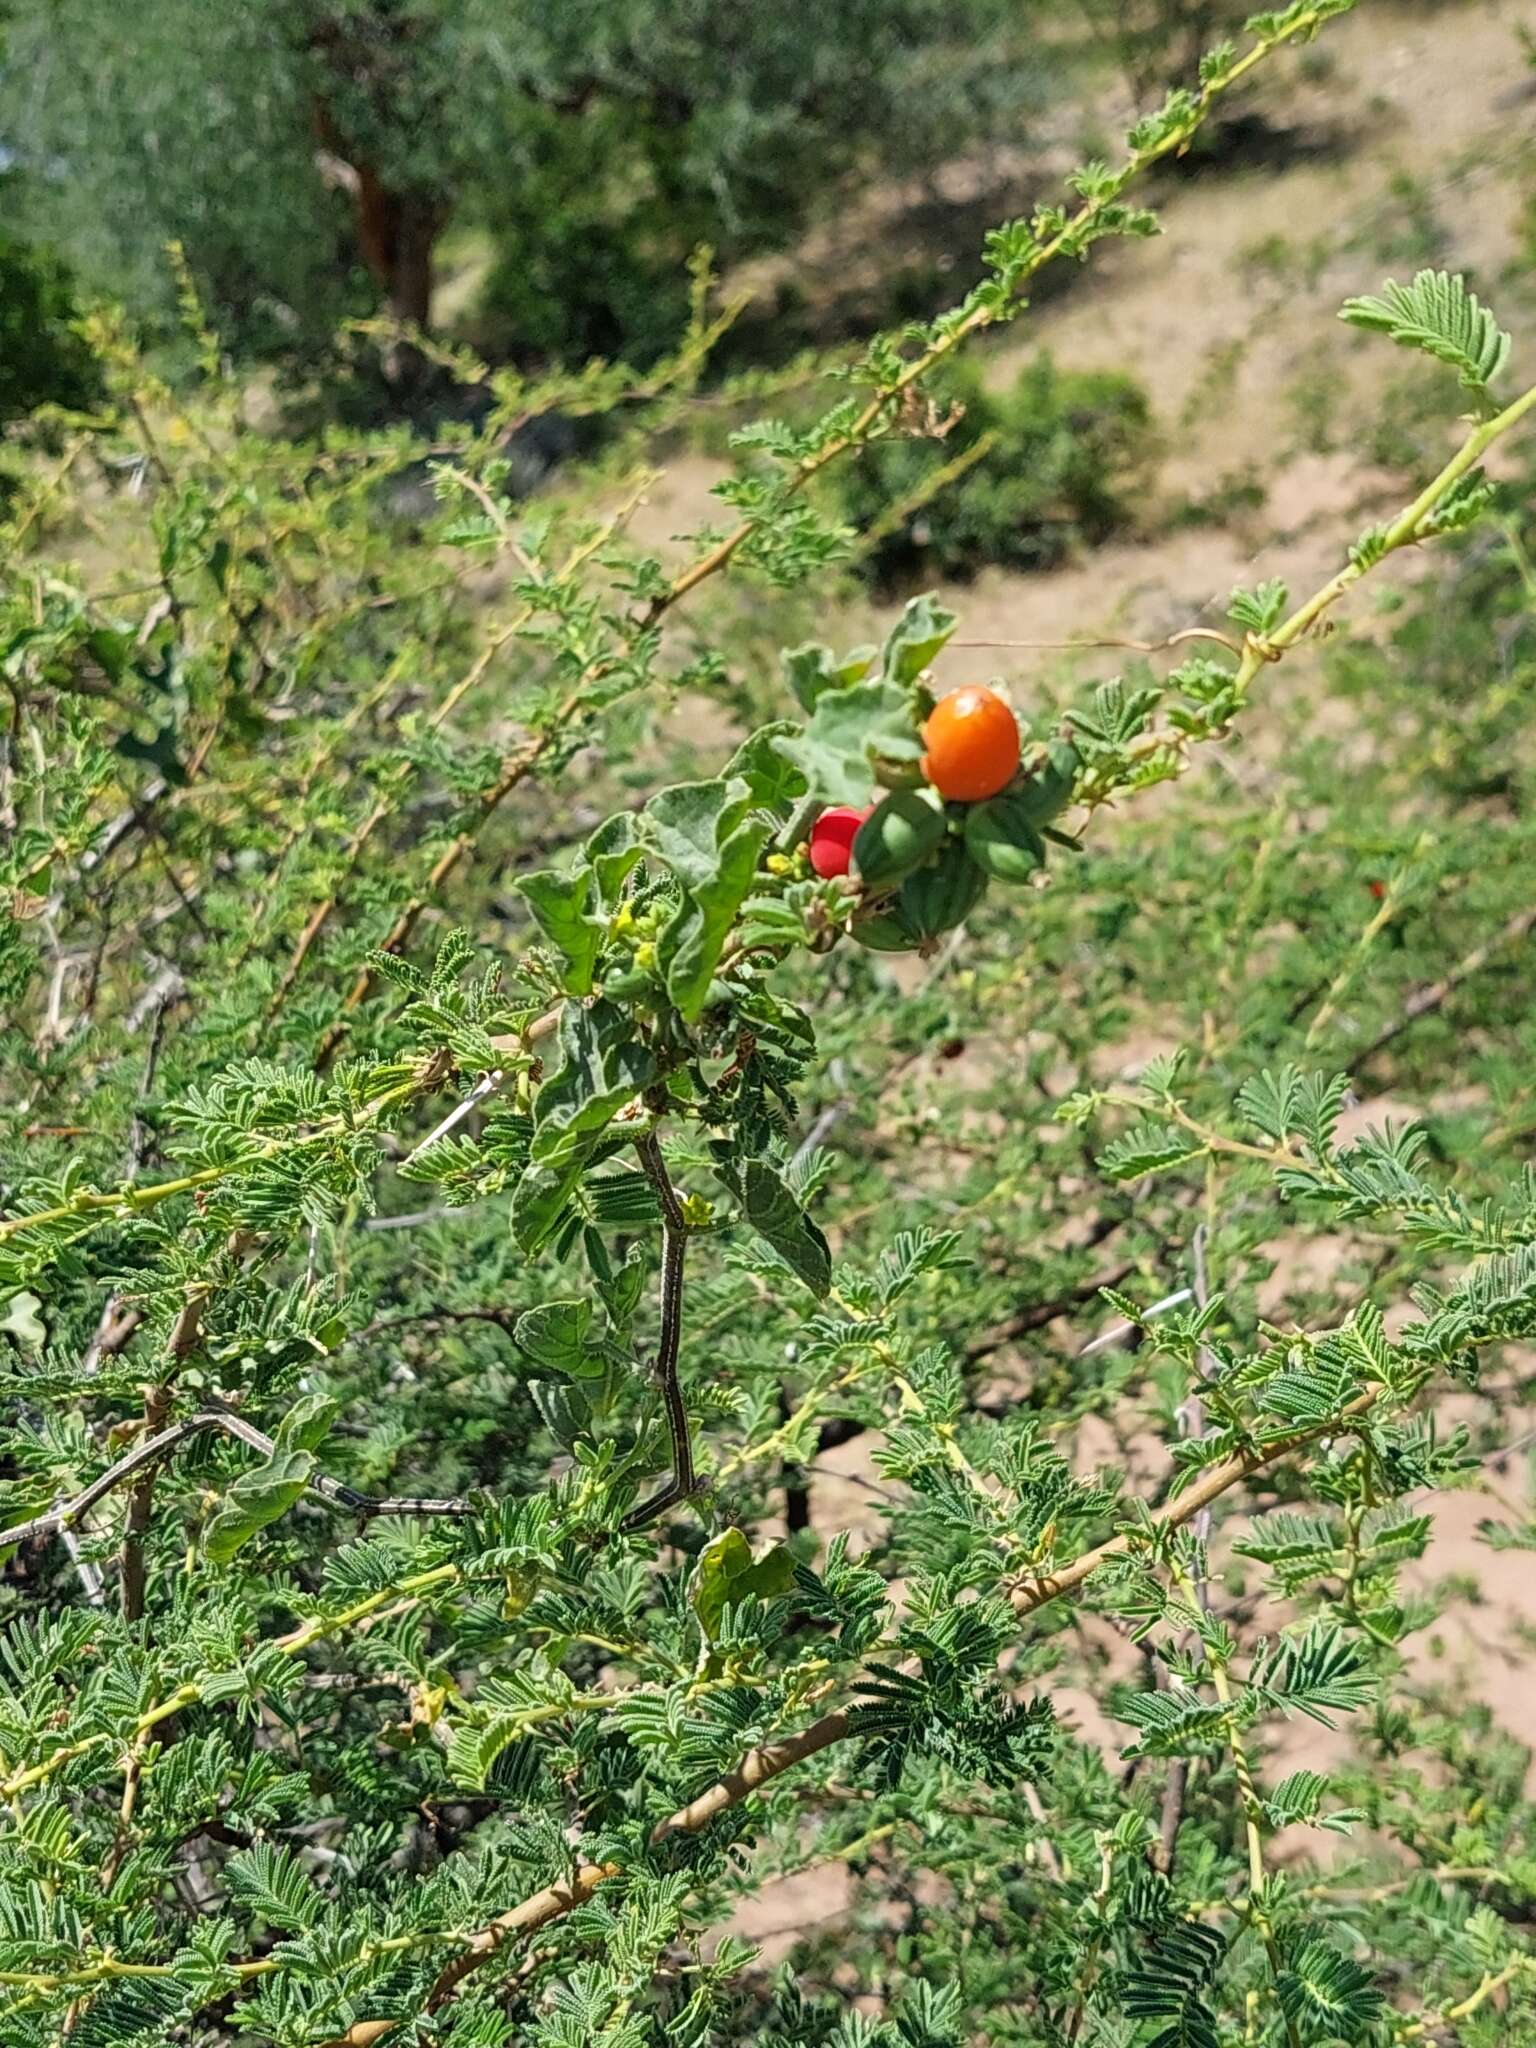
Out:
{"x": 555, "y": 1335}
{"x": 921, "y": 632}
{"x": 727, "y": 1572}
{"x": 255, "y": 1500}
{"x": 562, "y": 905}
{"x": 846, "y": 734}
{"x": 775, "y": 1215}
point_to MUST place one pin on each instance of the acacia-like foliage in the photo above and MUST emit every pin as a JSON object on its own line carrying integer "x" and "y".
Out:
{"x": 429, "y": 1289}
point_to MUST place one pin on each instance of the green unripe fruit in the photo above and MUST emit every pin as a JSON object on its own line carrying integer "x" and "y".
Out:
{"x": 1000, "y": 836}
{"x": 897, "y": 836}
{"x": 884, "y": 934}
{"x": 938, "y": 896}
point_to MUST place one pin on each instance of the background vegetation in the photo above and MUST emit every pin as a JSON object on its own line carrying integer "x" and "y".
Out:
{"x": 1102, "y": 1613}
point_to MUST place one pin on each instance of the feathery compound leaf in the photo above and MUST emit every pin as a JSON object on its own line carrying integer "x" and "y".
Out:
{"x": 1148, "y": 1148}
{"x": 1261, "y": 609}
{"x": 1437, "y": 313}
{"x": 1318, "y": 1674}
{"x": 1168, "y": 1981}
{"x": 270, "y": 1881}
{"x": 910, "y": 1254}
{"x": 1172, "y": 1723}
{"x": 1326, "y": 1996}
{"x": 1298, "y": 1799}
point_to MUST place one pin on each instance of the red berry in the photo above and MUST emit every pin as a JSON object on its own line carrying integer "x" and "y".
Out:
{"x": 832, "y": 838}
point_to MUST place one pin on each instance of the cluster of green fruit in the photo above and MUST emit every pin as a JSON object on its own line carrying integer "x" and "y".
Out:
{"x": 924, "y": 855}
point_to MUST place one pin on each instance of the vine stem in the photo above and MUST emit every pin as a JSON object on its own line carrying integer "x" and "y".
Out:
{"x": 114, "y": 1201}
{"x": 1191, "y": 1418}
{"x": 149, "y": 1453}
{"x": 157, "y": 1406}
{"x": 1403, "y": 532}
{"x": 188, "y": 1695}
{"x": 1494, "y": 1981}
{"x": 673, "y": 1255}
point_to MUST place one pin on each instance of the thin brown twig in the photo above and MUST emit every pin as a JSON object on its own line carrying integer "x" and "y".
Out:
{"x": 1087, "y": 645}
{"x": 1039, "y": 1313}
{"x": 1436, "y": 993}
{"x": 504, "y": 1317}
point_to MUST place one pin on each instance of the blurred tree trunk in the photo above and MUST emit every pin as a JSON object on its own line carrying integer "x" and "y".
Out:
{"x": 396, "y": 230}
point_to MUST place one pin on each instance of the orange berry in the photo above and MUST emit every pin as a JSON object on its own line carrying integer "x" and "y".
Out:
{"x": 973, "y": 744}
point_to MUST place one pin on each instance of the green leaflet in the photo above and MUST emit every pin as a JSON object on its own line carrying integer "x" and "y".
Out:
{"x": 918, "y": 635}
{"x": 613, "y": 851}
{"x": 602, "y": 1068}
{"x": 847, "y": 732}
{"x": 307, "y": 1423}
{"x": 564, "y": 1409}
{"x": 775, "y": 1215}
{"x": 555, "y": 1335}
{"x": 561, "y": 905}
{"x": 811, "y": 670}
{"x": 728, "y": 1573}
{"x": 703, "y": 833}
{"x": 255, "y": 1499}
{"x": 773, "y": 781}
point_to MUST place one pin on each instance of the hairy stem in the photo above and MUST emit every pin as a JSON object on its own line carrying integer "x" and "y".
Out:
{"x": 673, "y": 1251}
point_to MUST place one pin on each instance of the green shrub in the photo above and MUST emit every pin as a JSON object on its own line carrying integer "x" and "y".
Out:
{"x": 460, "y": 1177}
{"x": 1065, "y": 452}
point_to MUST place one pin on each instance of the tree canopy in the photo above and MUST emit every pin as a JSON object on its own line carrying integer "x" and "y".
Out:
{"x": 310, "y": 154}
